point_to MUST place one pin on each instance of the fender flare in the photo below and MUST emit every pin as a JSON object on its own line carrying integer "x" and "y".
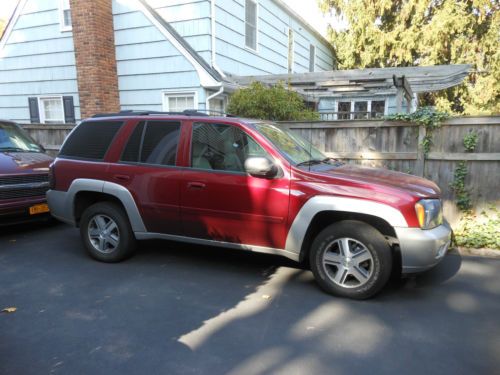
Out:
{"x": 119, "y": 192}
{"x": 321, "y": 203}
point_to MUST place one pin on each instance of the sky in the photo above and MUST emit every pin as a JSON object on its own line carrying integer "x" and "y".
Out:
{"x": 308, "y": 9}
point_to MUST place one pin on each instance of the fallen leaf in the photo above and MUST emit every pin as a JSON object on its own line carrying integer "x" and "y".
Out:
{"x": 9, "y": 309}
{"x": 266, "y": 296}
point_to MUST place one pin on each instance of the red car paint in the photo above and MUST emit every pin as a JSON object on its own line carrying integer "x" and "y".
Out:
{"x": 236, "y": 207}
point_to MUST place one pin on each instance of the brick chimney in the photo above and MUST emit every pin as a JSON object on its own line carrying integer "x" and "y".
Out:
{"x": 94, "y": 41}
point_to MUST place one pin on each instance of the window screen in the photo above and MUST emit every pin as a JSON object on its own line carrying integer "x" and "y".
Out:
{"x": 132, "y": 149}
{"x": 251, "y": 24}
{"x": 160, "y": 142}
{"x": 222, "y": 147}
{"x": 90, "y": 140}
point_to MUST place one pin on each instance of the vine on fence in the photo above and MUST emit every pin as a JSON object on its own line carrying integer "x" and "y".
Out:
{"x": 425, "y": 116}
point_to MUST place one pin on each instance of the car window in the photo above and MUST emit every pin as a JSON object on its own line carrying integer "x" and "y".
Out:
{"x": 222, "y": 147}
{"x": 153, "y": 142}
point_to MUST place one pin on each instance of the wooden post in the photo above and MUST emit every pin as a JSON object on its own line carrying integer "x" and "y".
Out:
{"x": 420, "y": 162}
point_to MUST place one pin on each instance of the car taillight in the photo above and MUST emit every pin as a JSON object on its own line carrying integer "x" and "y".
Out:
{"x": 52, "y": 177}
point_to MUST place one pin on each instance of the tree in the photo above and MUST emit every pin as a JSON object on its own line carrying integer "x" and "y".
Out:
{"x": 270, "y": 103}
{"x": 386, "y": 33}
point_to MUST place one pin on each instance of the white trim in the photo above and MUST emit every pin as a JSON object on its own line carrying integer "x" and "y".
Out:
{"x": 213, "y": 38}
{"x": 206, "y": 80}
{"x": 256, "y": 25}
{"x": 314, "y": 58}
{"x": 41, "y": 110}
{"x": 320, "y": 203}
{"x": 62, "y": 27}
{"x": 214, "y": 96}
{"x": 290, "y": 59}
{"x": 179, "y": 93}
{"x": 10, "y": 27}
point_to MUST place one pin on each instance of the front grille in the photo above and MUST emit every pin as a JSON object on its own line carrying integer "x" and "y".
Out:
{"x": 23, "y": 179}
{"x": 22, "y": 186}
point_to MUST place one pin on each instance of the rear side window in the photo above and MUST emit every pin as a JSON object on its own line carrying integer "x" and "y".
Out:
{"x": 153, "y": 142}
{"x": 90, "y": 140}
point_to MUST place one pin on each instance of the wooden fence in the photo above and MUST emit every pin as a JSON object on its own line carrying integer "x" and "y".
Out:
{"x": 393, "y": 145}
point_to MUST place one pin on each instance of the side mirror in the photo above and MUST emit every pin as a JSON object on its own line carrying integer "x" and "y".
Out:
{"x": 261, "y": 167}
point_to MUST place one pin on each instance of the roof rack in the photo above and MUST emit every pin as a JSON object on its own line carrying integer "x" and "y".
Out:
{"x": 187, "y": 112}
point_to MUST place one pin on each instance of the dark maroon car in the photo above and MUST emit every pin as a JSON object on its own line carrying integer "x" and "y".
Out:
{"x": 24, "y": 176}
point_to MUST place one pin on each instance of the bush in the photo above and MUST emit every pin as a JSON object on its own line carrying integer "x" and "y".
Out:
{"x": 269, "y": 103}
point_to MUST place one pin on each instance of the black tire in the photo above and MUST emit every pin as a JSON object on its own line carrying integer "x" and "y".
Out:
{"x": 126, "y": 244}
{"x": 360, "y": 237}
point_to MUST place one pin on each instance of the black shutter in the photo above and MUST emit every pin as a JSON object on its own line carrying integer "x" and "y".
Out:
{"x": 34, "y": 113}
{"x": 69, "y": 110}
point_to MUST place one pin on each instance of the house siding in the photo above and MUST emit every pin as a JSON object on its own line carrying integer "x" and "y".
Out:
{"x": 272, "y": 50}
{"x": 147, "y": 63}
{"x": 37, "y": 60}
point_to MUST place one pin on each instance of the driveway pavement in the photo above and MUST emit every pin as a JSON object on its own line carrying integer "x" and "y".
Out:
{"x": 198, "y": 310}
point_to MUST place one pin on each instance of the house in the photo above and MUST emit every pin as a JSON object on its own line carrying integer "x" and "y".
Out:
{"x": 63, "y": 60}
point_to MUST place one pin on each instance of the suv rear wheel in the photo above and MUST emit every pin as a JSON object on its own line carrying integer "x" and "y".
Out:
{"x": 106, "y": 232}
{"x": 351, "y": 259}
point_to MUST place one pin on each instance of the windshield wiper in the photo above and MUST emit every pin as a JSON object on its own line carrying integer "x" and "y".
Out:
{"x": 14, "y": 149}
{"x": 309, "y": 162}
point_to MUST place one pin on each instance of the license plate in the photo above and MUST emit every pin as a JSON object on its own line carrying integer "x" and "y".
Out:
{"x": 39, "y": 209}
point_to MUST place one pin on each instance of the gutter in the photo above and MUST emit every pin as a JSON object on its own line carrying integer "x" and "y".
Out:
{"x": 213, "y": 39}
{"x": 207, "y": 100}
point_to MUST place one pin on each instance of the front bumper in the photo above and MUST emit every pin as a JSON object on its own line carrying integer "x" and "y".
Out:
{"x": 16, "y": 211}
{"x": 423, "y": 249}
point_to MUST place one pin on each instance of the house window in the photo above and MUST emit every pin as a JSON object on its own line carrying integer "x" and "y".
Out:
{"x": 51, "y": 110}
{"x": 344, "y": 110}
{"x": 217, "y": 106}
{"x": 360, "y": 110}
{"x": 251, "y": 24}
{"x": 312, "y": 57}
{"x": 290, "y": 50}
{"x": 179, "y": 101}
{"x": 65, "y": 15}
{"x": 378, "y": 108}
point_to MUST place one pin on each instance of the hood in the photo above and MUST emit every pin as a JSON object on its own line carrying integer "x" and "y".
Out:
{"x": 372, "y": 183}
{"x": 24, "y": 162}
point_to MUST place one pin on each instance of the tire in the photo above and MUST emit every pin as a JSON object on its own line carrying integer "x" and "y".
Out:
{"x": 106, "y": 232}
{"x": 359, "y": 273}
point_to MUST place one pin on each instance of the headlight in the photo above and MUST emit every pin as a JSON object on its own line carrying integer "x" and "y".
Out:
{"x": 429, "y": 213}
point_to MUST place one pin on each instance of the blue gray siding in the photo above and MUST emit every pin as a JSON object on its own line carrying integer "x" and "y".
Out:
{"x": 272, "y": 51}
{"x": 37, "y": 60}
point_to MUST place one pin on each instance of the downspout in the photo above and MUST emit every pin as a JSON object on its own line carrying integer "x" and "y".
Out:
{"x": 213, "y": 39}
{"x": 207, "y": 101}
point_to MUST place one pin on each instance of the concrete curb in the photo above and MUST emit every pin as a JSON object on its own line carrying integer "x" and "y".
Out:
{"x": 484, "y": 252}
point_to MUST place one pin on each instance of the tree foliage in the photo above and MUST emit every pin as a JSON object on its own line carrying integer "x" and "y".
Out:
{"x": 269, "y": 103}
{"x": 385, "y": 33}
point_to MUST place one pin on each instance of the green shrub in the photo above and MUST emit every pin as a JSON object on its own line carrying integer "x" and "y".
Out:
{"x": 269, "y": 103}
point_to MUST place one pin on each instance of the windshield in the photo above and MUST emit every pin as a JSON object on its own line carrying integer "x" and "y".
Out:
{"x": 294, "y": 148}
{"x": 14, "y": 139}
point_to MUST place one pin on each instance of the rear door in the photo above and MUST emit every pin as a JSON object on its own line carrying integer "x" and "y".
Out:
{"x": 219, "y": 201}
{"x": 147, "y": 167}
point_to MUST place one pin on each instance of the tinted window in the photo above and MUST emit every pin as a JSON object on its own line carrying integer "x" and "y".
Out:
{"x": 222, "y": 147}
{"x": 91, "y": 140}
{"x": 132, "y": 149}
{"x": 160, "y": 142}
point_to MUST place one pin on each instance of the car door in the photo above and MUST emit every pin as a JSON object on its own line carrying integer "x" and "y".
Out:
{"x": 147, "y": 168}
{"x": 220, "y": 201}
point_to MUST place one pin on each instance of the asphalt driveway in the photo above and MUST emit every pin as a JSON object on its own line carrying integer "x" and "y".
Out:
{"x": 177, "y": 308}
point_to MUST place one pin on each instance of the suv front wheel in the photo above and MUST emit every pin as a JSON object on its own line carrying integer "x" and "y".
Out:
{"x": 106, "y": 232}
{"x": 351, "y": 259}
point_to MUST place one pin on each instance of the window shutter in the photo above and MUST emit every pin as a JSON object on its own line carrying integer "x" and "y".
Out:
{"x": 34, "y": 113}
{"x": 69, "y": 110}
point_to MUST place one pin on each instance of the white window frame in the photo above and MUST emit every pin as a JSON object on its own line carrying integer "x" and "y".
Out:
{"x": 256, "y": 25}
{"x": 224, "y": 99}
{"x": 313, "y": 62}
{"x": 290, "y": 51}
{"x": 62, "y": 8}
{"x": 369, "y": 105}
{"x": 178, "y": 93}
{"x": 41, "y": 109}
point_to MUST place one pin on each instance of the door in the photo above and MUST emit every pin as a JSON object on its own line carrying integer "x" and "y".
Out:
{"x": 147, "y": 168}
{"x": 219, "y": 201}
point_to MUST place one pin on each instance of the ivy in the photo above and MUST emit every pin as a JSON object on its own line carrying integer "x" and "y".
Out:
{"x": 458, "y": 186}
{"x": 425, "y": 116}
{"x": 470, "y": 141}
{"x": 479, "y": 231}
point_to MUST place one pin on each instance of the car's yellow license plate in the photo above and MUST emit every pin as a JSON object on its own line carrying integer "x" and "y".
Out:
{"x": 39, "y": 209}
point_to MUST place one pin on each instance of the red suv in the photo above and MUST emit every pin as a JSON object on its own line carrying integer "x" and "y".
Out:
{"x": 243, "y": 184}
{"x": 24, "y": 176}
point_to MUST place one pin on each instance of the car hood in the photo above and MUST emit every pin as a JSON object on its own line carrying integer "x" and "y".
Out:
{"x": 24, "y": 162}
{"x": 348, "y": 179}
